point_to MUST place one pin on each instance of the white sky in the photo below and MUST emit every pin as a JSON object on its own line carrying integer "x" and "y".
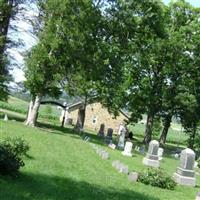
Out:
{"x": 29, "y": 41}
{"x": 24, "y": 34}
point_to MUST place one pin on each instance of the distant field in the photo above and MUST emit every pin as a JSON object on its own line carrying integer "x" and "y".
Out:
{"x": 20, "y": 106}
{"x": 174, "y": 136}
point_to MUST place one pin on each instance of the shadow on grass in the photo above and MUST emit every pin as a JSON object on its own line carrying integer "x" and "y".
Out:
{"x": 56, "y": 129}
{"x": 43, "y": 187}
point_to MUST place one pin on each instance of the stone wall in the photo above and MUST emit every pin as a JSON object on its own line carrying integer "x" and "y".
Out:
{"x": 96, "y": 114}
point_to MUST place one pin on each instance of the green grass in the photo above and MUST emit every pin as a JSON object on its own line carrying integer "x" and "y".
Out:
{"x": 20, "y": 106}
{"x": 174, "y": 136}
{"x": 62, "y": 166}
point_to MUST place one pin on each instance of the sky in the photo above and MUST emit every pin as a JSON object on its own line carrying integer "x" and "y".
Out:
{"x": 192, "y": 2}
{"x": 29, "y": 41}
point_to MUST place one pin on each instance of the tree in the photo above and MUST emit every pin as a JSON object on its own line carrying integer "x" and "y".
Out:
{"x": 181, "y": 16}
{"x": 146, "y": 74}
{"x": 67, "y": 44}
{"x": 8, "y": 10}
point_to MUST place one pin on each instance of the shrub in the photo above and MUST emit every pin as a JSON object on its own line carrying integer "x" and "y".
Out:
{"x": 19, "y": 146}
{"x": 157, "y": 178}
{"x": 11, "y": 152}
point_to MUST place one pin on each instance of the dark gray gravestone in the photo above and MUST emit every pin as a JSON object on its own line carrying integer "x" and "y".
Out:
{"x": 101, "y": 130}
{"x": 108, "y": 138}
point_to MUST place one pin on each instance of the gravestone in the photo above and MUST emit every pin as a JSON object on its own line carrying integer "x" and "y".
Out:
{"x": 160, "y": 153}
{"x": 108, "y": 138}
{"x": 198, "y": 196}
{"x": 112, "y": 146}
{"x": 115, "y": 163}
{"x": 127, "y": 149}
{"x": 133, "y": 176}
{"x": 152, "y": 158}
{"x": 123, "y": 169}
{"x": 121, "y": 126}
{"x": 185, "y": 174}
{"x": 142, "y": 149}
{"x": 101, "y": 130}
{"x": 5, "y": 117}
{"x": 105, "y": 155}
{"x": 121, "y": 138}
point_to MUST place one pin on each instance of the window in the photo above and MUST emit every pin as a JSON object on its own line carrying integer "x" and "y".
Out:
{"x": 94, "y": 120}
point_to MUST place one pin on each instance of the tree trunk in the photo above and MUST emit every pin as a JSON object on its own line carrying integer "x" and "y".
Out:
{"x": 5, "y": 15}
{"x": 148, "y": 130}
{"x": 192, "y": 137}
{"x": 63, "y": 119}
{"x": 166, "y": 122}
{"x": 33, "y": 113}
{"x": 81, "y": 118}
{"x": 30, "y": 108}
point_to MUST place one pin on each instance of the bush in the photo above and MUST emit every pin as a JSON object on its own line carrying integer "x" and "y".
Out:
{"x": 157, "y": 178}
{"x": 11, "y": 152}
{"x": 19, "y": 146}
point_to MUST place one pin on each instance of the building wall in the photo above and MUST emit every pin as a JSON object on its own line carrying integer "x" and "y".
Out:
{"x": 96, "y": 114}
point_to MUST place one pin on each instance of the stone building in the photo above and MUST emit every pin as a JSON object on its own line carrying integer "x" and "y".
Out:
{"x": 95, "y": 115}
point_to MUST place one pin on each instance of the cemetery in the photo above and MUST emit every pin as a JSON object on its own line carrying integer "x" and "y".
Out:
{"x": 99, "y": 100}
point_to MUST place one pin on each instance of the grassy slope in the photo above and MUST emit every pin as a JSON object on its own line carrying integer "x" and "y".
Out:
{"x": 20, "y": 106}
{"x": 65, "y": 167}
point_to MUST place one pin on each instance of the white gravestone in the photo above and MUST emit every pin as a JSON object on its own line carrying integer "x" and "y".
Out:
{"x": 122, "y": 138}
{"x": 185, "y": 174}
{"x": 112, "y": 146}
{"x": 127, "y": 149}
{"x": 152, "y": 158}
{"x": 198, "y": 196}
{"x": 120, "y": 129}
{"x": 133, "y": 176}
{"x": 160, "y": 153}
{"x": 5, "y": 117}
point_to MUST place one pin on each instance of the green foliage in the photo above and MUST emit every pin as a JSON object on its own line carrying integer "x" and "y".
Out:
{"x": 11, "y": 152}
{"x": 48, "y": 110}
{"x": 18, "y": 145}
{"x": 14, "y": 108}
{"x": 157, "y": 126}
{"x": 157, "y": 178}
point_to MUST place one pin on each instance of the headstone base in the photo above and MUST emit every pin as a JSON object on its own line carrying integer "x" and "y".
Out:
{"x": 151, "y": 163}
{"x": 184, "y": 180}
{"x": 126, "y": 154}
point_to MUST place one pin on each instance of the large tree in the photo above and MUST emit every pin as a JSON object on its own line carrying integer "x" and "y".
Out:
{"x": 8, "y": 11}
{"x": 68, "y": 51}
{"x": 178, "y": 56}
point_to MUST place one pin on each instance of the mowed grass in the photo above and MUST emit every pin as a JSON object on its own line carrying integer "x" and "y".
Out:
{"x": 21, "y": 106}
{"x": 174, "y": 136}
{"x": 62, "y": 166}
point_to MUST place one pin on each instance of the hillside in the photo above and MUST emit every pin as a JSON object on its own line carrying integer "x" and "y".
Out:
{"x": 63, "y": 166}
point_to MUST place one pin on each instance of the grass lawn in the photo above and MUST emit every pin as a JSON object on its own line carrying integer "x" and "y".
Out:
{"x": 62, "y": 167}
{"x": 21, "y": 106}
{"x": 174, "y": 136}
